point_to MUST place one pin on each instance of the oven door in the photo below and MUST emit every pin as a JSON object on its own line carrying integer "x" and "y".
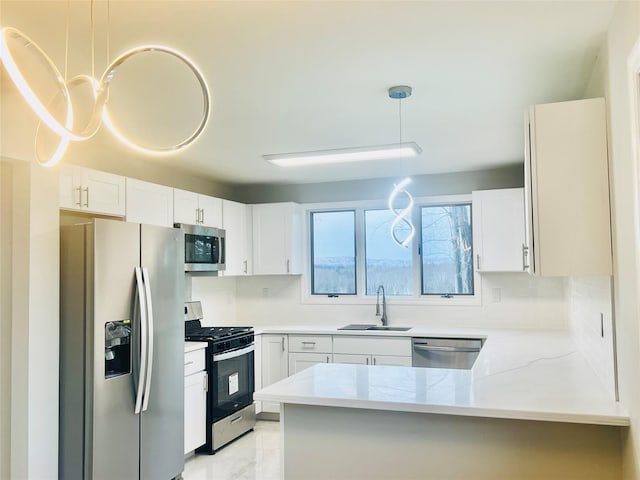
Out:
{"x": 232, "y": 382}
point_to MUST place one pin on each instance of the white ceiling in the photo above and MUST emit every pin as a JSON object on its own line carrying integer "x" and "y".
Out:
{"x": 298, "y": 76}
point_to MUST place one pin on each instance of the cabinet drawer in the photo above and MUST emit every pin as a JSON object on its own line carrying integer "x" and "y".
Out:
{"x": 310, "y": 343}
{"x": 194, "y": 361}
{"x": 372, "y": 345}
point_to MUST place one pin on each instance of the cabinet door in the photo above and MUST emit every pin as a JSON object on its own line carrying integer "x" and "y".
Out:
{"x": 570, "y": 188}
{"x": 195, "y": 411}
{"x": 276, "y": 239}
{"x": 210, "y": 211}
{"x": 103, "y": 192}
{"x": 498, "y": 223}
{"x": 70, "y": 189}
{"x": 300, "y": 361}
{"x": 372, "y": 345}
{"x": 274, "y": 365}
{"x": 236, "y": 218}
{"x": 352, "y": 359}
{"x": 185, "y": 207}
{"x": 149, "y": 203}
{"x": 391, "y": 360}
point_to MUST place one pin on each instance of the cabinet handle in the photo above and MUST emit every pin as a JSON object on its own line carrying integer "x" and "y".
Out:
{"x": 87, "y": 202}
{"x": 197, "y": 215}
{"x": 236, "y": 420}
{"x": 367, "y": 361}
{"x": 245, "y": 266}
{"x": 79, "y": 202}
{"x": 288, "y": 265}
{"x": 374, "y": 360}
{"x": 328, "y": 359}
{"x": 206, "y": 382}
{"x": 308, "y": 343}
{"x": 188, "y": 363}
{"x": 525, "y": 258}
{"x": 283, "y": 344}
{"x": 478, "y": 261}
{"x": 202, "y": 218}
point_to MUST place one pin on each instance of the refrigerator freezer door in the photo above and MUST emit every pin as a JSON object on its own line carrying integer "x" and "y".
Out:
{"x": 114, "y": 428}
{"x": 162, "y": 429}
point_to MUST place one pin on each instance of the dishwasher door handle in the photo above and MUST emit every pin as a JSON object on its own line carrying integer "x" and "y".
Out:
{"x": 439, "y": 348}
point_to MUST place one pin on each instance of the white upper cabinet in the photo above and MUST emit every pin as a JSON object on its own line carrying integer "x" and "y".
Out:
{"x": 149, "y": 203}
{"x": 277, "y": 239}
{"x": 91, "y": 191}
{"x": 196, "y": 209}
{"x": 567, "y": 189}
{"x": 236, "y": 220}
{"x": 498, "y": 230}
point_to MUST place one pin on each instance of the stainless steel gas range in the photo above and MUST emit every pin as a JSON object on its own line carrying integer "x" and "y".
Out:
{"x": 230, "y": 360}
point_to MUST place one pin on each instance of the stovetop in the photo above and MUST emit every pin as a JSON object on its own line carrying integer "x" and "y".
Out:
{"x": 194, "y": 331}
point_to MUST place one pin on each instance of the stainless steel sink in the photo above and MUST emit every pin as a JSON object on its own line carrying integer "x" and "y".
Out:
{"x": 360, "y": 326}
{"x": 391, "y": 329}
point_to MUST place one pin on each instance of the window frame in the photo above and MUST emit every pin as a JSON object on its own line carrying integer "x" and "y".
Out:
{"x": 360, "y": 298}
{"x": 309, "y": 216}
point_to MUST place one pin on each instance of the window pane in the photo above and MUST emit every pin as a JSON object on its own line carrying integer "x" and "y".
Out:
{"x": 333, "y": 253}
{"x": 387, "y": 263}
{"x": 447, "y": 253}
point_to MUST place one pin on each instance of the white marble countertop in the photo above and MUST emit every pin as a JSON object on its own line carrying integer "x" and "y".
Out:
{"x": 527, "y": 375}
{"x": 192, "y": 346}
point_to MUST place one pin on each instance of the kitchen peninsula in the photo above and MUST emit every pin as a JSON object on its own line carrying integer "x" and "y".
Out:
{"x": 530, "y": 408}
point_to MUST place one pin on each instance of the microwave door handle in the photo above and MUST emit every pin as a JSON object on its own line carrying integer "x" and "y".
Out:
{"x": 143, "y": 340}
{"x": 147, "y": 289}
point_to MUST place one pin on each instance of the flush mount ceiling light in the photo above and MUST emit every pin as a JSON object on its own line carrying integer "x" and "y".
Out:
{"x": 342, "y": 155}
{"x": 11, "y": 36}
{"x": 354, "y": 154}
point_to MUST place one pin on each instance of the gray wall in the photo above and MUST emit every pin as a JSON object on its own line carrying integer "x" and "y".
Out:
{"x": 423, "y": 185}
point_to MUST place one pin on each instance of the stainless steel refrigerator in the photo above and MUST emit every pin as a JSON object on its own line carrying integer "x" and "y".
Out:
{"x": 121, "y": 352}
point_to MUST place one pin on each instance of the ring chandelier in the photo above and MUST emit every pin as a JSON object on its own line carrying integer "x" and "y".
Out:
{"x": 100, "y": 88}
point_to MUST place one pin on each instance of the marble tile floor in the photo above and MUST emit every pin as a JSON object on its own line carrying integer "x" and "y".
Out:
{"x": 255, "y": 456}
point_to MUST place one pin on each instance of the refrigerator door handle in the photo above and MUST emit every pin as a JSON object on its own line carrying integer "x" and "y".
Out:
{"x": 147, "y": 289}
{"x": 143, "y": 340}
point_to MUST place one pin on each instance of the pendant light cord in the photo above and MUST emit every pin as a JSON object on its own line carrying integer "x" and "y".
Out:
{"x": 108, "y": 30}
{"x": 93, "y": 60}
{"x": 66, "y": 44}
{"x": 400, "y": 117}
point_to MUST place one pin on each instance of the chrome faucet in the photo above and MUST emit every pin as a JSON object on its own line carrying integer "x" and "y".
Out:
{"x": 383, "y": 318}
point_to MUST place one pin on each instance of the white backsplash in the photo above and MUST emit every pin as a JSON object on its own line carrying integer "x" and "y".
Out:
{"x": 509, "y": 301}
{"x": 590, "y": 298}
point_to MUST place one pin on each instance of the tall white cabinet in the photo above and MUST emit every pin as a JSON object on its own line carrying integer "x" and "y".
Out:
{"x": 237, "y": 222}
{"x": 277, "y": 233}
{"x": 567, "y": 189}
{"x": 498, "y": 230}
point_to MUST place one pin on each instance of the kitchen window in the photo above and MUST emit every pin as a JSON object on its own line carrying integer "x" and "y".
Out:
{"x": 352, "y": 253}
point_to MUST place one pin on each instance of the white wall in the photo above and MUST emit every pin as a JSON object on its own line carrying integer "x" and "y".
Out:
{"x": 623, "y": 33}
{"x": 34, "y": 323}
{"x": 6, "y": 193}
{"x": 525, "y": 302}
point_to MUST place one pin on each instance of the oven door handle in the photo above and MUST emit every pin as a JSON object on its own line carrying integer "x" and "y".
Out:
{"x": 233, "y": 354}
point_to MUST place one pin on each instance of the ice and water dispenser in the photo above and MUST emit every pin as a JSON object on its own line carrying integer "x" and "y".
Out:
{"x": 117, "y": 348}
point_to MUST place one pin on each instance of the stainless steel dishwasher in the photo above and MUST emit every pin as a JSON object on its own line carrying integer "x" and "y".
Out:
{"x": 445, "y": 352}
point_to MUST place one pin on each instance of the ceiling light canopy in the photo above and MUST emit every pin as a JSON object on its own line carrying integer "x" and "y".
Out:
{"x": 343, "y": 155}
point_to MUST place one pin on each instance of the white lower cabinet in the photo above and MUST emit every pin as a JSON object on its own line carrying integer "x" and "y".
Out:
{"x": 195, "y": 400}
{"x": 299, "y": 361}
{"x": 362, "y": 359}
{"x": 274, "y": 365}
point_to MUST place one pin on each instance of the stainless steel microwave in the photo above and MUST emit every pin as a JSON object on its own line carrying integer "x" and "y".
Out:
{"x": 204, "y": 248}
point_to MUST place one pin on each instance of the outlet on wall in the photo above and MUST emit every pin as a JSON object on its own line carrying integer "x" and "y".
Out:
{"x": 495, "y": 295}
